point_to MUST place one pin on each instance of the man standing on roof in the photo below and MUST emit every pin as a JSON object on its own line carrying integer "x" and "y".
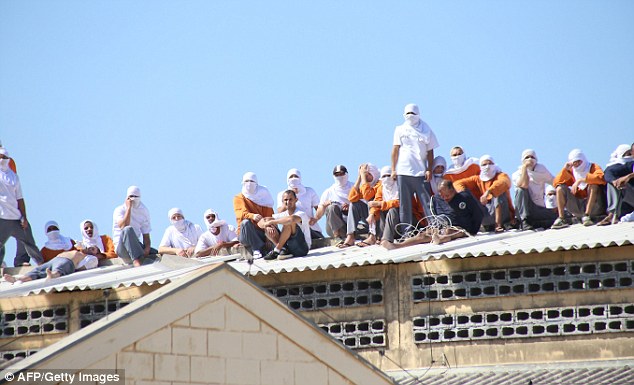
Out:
{"x": 412, "y": 157}
{"x": 131, "y": 228}
{"x": 250, "y": 206}
{"x": 530, "y": 183}
{"x": 295, "y": 234}
{"x": 13, "y": 222}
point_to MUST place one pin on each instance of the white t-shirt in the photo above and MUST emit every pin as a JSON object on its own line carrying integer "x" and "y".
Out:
{"x": 207, "y": 239}
{"x": 139, "y": 220}
{"x": 174, "y": 238}
{"x": 304, "y": 225}
{"x": 10, "y": 192}
{"x": 415, "y": 143}
{"x": 537, "y": 180}
{"x": 306, "y": 202}
{"x": 335, "y": 193}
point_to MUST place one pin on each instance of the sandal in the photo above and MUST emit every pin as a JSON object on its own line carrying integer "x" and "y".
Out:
{"x": 499, "y": 229}
{"x": 363, "y": 244}
{"x": 343, "y": 245}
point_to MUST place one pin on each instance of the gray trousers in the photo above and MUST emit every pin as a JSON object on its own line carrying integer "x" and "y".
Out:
{"x": 527, "y": 210}
{"x": 13, "y": 228}
{"x": 617, "y": 197}
{"x": 129, "y": 248}
{"x": 335, "y": 219}
{"x": 577, "y": 206}
{"x": 389, "y": 220}
{"x": 63, "y": 266}
{"x": 407, "y": 187}
{"x": 358, "y": 211}
{"x": 252, "y": 237}
{"x": 489, "y": 210}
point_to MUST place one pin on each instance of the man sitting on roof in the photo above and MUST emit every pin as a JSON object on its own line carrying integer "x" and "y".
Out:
{"x": 530, "y": 183}
{"x": 464, "y": 213}
{"x": 219, "y": 235}
{"x": 492, "y": 188}
{"x": 63, "y": 264}
{"x": 181, "y": 237}
{"x": 619, "y": 174}
{"x": 580, "y": 190}
{"x": 295, "y": 235}
{"x": 250, "y": 206}
{"x": 130, "y": 225}
{"x": 334, "y": 204}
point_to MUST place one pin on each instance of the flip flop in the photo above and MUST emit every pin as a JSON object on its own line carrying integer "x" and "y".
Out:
{"x": 343, "y": 245}
{"x": 363, "y": 244}
{"x": 499, "y": 229}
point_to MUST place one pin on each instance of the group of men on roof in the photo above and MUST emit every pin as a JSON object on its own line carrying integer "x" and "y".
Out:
{"x": 396, "y": 206}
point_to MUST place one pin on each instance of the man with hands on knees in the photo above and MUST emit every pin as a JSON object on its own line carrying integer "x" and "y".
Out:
{"x": 131, "y": 228}
{"x": 295, "y": 234}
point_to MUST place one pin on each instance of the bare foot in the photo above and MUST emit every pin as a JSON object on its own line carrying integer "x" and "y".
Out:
{"x": 388, "y": 245}
{"x": 9, "y": 278}
{"x": 52, "y": 274}
{"x": 370, "y": 240}
{"x": 349, "y": 239}
{"x": 136, "y": 262}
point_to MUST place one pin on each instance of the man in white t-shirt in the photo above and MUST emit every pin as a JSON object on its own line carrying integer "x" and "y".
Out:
{"x": 13, "y": 222}
{"x": 308, "y": 200}
{"x": 530, "y": 185}
{"x": 295, "y": 234}
{"x": 334, "y": 204}
{"x": 412, "y": 157}
{"x": 219, "y": 236}
{"x": 181, "y": 237}
{"x": 131, "y": 228}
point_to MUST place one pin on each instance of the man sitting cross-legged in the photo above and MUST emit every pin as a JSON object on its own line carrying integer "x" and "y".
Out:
{"x": 295, "y": 234}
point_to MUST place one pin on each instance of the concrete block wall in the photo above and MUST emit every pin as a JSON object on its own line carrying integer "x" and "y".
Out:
{"x": 221, "y": 343}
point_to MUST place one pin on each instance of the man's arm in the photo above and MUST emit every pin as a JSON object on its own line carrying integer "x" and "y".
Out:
{"x": 430, "y": 164}
{"x": 395, "y": 150}
{"x": 125, "y": 221}
{"x": 22, "y": 207}
{"x": 146, "y": 244}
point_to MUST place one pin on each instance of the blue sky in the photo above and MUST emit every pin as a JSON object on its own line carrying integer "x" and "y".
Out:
{"x": 183, "y": 97}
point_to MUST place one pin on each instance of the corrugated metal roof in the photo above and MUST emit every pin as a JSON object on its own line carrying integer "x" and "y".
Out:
{"x": 511, "y": 242}
{"x": 619, "y": 372}
{"x": 172, "y": 267}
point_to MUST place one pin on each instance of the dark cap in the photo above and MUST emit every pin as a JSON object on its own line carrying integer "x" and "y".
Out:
{"x": 340, "y": 168}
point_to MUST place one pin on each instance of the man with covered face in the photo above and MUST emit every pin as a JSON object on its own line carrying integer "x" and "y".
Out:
{"x": 492, "y": 188}
{"x": 619, "y": 173}
{"x": 131, "y": 228}
{"x": 580, "y": 190}
{"x": 219, "y": 235}
{"x": 334, "y": 204}
{"x": 181, "y": 237}
{"x": 530, "y": 183}
{"x": 412, "y": 158}
{"x": 250, "y": 206}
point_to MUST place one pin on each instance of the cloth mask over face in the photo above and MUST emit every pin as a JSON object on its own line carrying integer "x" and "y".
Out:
{"x": 341, "y": 180}
{"x": 458, "y": 160}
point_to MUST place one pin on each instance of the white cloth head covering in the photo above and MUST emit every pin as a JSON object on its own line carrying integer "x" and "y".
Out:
{"x": 550, "y": 201}
{"x": 374, "y": 171}
{"x": 295, "y": 183}
{"x": 438, "y": 161}
{"x": 528, "y": 152}
{"x": 180, "y": 225}
{"x": 460, "y": 163}
{"x": 134, "y": 190}
{"x": 4, "y": 152}
{"x": 617, "y": 155}
{"x": 413, "y": 122}
{"x": 389, "y": 186}
{"x": 4, "y": 163}
{"x": 222, "y": 224}
{"x": 261, "y": 196}
{"x": 582, "y": 171}
{"x": 488, "y": 173}
{"x": 56, "y": 241}
{"x": 95, "y": 240}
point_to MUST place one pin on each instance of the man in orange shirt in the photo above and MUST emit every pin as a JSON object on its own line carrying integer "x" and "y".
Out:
{"x": 580, "y": 190}
{"x": 252, "y": 205}
{"x": 492, "y": 188}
